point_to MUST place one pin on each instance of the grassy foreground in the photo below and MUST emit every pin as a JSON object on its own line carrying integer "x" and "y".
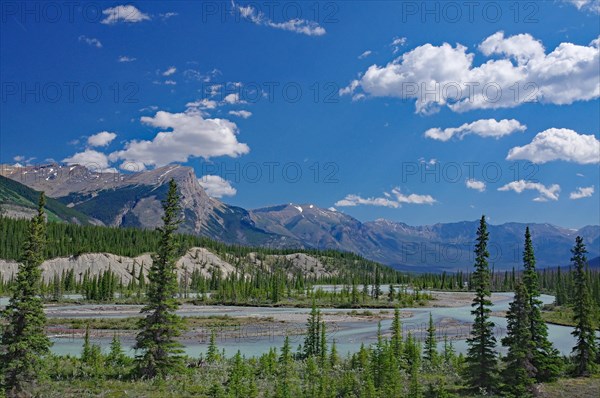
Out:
{"x": 572, "y": 388}
{"x": 201, "y": 383}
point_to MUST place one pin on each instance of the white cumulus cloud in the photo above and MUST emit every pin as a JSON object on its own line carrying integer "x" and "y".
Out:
{"x": 125, "y": 58}
{"x": 202, "y": 104}
{"x": 397, "y": 43}
{"x": 545, "y": 193}
{"x": 216, "y": 186}
{"x": 520, "y": 71}
{"x": 559, "y": 144}
{"x": 101, "y": 139}
{"x": 393, "y": 200}
{"x": 243, "y": 114}
{"x": 91, "y": 159}
{"x": 170, "y": 70}
{"x": 365, "y": 54}
{"x": 413, "y": 198}
{"x": 475, "y": 184}
{"x": 168, "y": 15}
{"x": 582, "y": 192}
{"x": 521, "y": 47}
{"x": 123, "y": 13}
{"x": 302, "y": 26}
{"x": 233, "y": 98}
{"x": 91, "y": 41}
{"x": 483, "y": 128}
{"x": 355, "y": 200}
{"x": 592, "y": 6}
{"x": 189, "y": 135}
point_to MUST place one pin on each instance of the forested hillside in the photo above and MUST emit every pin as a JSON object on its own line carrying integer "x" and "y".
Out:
{"x": 20, "y": 199}
{"x": 66, "y": 240}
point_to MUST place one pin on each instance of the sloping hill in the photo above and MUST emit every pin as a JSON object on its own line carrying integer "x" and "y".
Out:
{"x": 196, "y": 259}
{"x": 19, "y": 200}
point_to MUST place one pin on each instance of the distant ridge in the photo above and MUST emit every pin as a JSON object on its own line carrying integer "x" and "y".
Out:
{"x": 133, "y": 200}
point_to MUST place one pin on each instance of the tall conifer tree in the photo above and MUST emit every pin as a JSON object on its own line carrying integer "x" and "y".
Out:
{"x": 160, "y": 351}
{"x": 546, "y": 358}
{"x": 518, "y": 375}
{"x": 397, "y": 338}
{"x": 481, "y": 354}
{"x": 585, "y": 349}
{"x": 24, "y": 342}
{"x": 430, "y": 353}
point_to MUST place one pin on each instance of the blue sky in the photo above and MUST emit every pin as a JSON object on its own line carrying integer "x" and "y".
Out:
{"x": 320, "y": 102}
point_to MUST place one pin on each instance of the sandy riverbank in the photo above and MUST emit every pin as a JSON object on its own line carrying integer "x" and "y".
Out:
{"x": 460, "y": 299}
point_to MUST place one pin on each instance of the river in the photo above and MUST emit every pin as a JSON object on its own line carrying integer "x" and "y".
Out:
{"x": 349, "y": 332}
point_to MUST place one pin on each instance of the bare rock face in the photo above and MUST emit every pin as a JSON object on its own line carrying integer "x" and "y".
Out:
{"x": 291, "y": 264}
{"x": 197, "y": 259}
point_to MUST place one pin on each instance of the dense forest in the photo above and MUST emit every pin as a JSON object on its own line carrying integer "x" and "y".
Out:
{"x": 256, "y": 286}
{"x": 395, "y": 365}
{"x": 267, "y": 285}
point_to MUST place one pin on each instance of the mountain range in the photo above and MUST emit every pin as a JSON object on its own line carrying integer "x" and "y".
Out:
{"x": 83, "y": 196}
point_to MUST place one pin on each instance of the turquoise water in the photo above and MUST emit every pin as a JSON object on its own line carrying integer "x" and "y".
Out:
{"x": 256, "y": 339}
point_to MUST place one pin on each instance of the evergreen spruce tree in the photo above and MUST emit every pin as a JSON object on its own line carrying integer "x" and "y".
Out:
{"x": 115, "y": 357}
{"x": 377, "y": 284}
{"x": 312, "y": 376}
{"x": 415, "y": 390}
{"x": 160, "y": 352}
{"x": 313, "y": 336}
{"x": 377, "y": 359}
{"x": 546, "y": 360}
{"x": 449, "y": 353}
{"x": 391, "y": 294}
{"x": 519, "y": 373}
{"x": 323, "y": 346}
{"x": 354, "y": 294}
{"x": 286, "y": 387}
{"x": 585, "y": 348}
{"x": 430, "y": 352}
{"x": 412, "y": 352}
{"x": 396, "y": 342}
{"x": 334, "y": 357}
{"x": 217, "y": 391}
{"x": 481, "y": 354}
{"x": 240, "y": 383}
{"x": 86, "y": 352}
{"x": 24, "y": 342}
{"x": 212, "y": 354}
